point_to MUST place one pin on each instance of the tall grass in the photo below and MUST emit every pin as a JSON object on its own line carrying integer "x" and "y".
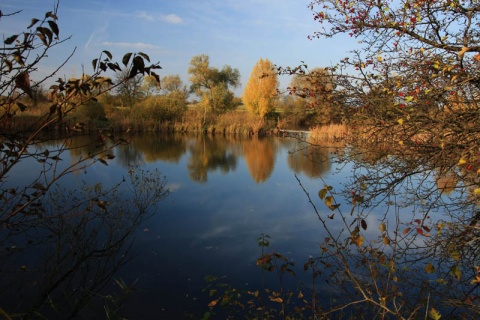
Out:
{"x": 329, "y": 133}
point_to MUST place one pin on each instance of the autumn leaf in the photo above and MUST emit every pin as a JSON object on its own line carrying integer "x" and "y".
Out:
{"x": 329, "y": 201}
{"x": 430, "y": 268}
{"x": 386, "y": 240}
{"x": 382, "y": 227}
{"x": 462, "y": 52}
{"x": 322, "y": 193}
{"x": 456, "y": 272}
{"x": 213, "y": 303}
{"x": 434, "y": 314}
{"x": 358, "y": 240}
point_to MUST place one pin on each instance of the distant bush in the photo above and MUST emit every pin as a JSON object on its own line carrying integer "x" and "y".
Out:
{"x": 89, "y": 112}
{"x": 164, "y": 108}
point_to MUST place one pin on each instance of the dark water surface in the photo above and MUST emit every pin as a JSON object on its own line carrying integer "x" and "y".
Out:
{"x": 224, "y": 193}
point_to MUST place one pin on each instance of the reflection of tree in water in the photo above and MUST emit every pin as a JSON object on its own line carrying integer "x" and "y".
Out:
{"x": 260, "y": 157}
{"x": 209, "y": 154}
{"x": 152, "y": 147}
{"x": 55, "y": 259}
{"x": 311, "y": 160}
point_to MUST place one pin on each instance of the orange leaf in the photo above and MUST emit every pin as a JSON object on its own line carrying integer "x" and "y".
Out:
{"x": 213, "y": 303}
{"x": 406, "y": 230}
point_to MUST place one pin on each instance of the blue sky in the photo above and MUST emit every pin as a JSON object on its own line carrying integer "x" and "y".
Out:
{"x": 233, "y": 32}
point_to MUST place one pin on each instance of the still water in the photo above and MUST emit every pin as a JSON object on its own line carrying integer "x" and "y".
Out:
{"x": 224, "y": 194}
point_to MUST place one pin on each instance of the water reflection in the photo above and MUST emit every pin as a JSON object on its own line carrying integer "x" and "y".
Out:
{"x": 207, "y": 154}
{"x": 309, "y": 159}
{"x": 210, "y": 153}
{"x": 227, "y": 192}
{"x": 259, "y": 157}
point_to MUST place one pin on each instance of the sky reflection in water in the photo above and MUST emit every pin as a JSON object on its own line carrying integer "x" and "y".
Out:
{"x": 225, "y": 192}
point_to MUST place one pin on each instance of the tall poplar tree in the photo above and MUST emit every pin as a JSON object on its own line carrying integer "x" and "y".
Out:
{"x": 260, "y": 92}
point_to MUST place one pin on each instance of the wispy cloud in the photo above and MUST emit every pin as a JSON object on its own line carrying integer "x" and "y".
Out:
{"x": 132, "y": 45}
{"x": 172, "y": 18}
{"x": 168, "y": 18}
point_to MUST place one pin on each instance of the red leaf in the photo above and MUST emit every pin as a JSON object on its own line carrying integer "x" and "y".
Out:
{"x": 419, "y": 230}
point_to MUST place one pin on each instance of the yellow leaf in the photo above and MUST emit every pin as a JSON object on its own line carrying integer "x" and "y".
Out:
{"x": 456, "y": 255}
{"x": 400, "y": 142}
{"x": 476, "y": 192}
{"x": 434, "y": 314}
{"x": 278, "y": 299}
{"x": 391, "y": 264}
{"x": 400, "y": 121}
{"x": 456, "y": 272}
{"x": 461, "y": 162}
{"x": 382, "y": 227}
{"x": 379, "y": 58}
{"x": 386, "y": 241}
{"x": 358, "y": 240}
{"x": 462, "y": 52}
{"x": 476, "y": 280}
{"x": 430, "y": 268}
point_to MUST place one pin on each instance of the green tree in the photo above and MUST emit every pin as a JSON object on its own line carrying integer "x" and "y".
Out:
{"x": 131, "y": 89}
{"x": 260, "y": 95}
{"x": 172, "y": 83}
{"x": 213, "y": 85}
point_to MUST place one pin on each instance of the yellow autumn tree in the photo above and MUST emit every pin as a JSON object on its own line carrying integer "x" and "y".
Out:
{"x": 261, "y": 89}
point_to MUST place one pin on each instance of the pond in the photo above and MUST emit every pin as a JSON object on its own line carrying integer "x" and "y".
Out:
{"x": 224, "y": 194}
